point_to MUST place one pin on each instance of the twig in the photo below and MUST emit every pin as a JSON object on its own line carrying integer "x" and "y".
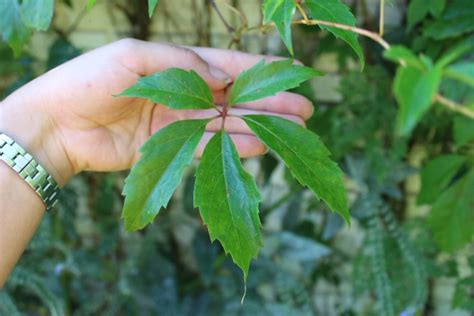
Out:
{"x": 382, "y": 18}
{"x": 374, "y": 36}
{"x": 229, "y": 27}
{"x": 303, "y": 13}
{"x": 242, "y": 16}
{"x": 454, "y": 106}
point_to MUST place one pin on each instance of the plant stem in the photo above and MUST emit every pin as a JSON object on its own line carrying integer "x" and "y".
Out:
{"x": 301, "y": 10}
{"x": 382, "y": 18}
{"x": 229, "y": 27}
{"x": 454, "y": 106}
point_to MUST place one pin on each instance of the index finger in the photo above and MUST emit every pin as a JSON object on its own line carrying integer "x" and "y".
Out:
{"x": 231, "y": 62}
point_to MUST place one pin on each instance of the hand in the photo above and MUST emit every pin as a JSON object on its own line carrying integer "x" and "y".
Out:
{"x": 80, "y": 125}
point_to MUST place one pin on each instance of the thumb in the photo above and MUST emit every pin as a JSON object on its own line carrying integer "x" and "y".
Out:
{"x": 216, "y": 78}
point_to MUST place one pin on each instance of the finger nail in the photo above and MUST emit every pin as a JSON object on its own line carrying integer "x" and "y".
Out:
{"x": 219, "y": 74}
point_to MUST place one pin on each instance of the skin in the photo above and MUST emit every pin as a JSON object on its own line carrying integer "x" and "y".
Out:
{"x": 70, "y": 121}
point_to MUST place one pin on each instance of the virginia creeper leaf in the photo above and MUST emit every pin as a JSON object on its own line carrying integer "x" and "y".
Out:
{"x": 306, "y": 157}
{"x": 151, "y": 7}
{"x": 281, "y": 13}
{"x": 156, "y": 175}
{"x": 437, "y": 175}
{"x": 228, "y": 199}
{"x": 37, "y": 14}
{"x": 175, "y": 88}
{"x": 264, "y": 80}
{"x": 414, "y": 90}
{"x": 452, "y": 215}
{"x": 337, "y": 12}
{"x": 12, "y": 28}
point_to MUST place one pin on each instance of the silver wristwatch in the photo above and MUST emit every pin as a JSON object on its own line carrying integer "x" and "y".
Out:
{"x": 30, "y": 170}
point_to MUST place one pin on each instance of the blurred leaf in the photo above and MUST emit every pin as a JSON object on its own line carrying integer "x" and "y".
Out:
{"x": 91, "y": 4}
{"x": 175, "y": 88}
{"x": 306, "y": 157}
{"x": 463, "y": 295}
{"x": 337, "y": 12}
{"x": 154, "y": 178}
{"x": 453, "y": 213}
{"x": 456, "y": 20}
{"x": 281, "y": 13}
{"x": 463, "y": 130}
{"x": 151, "y": 7}
{"x": 264, "y": 80}
{"x": 419, "y": 9}
{"x": 13, "y": 30}
{"x": 37, "y": 14}
{"x": 463, "y": 72}
{"x": 414, "y": 90}
{"x": 401, "y": 53}
{"x": 228, "y": 198}
{"x": 60, "y": 52}
{"x": 437, "y": 175}
{"x": 300, "y": 249}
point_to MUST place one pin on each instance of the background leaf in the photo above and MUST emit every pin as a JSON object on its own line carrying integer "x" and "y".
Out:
{"x": 151, "y": 7}
{"x": 175, "y": 88}
{"x": 37, "y": 14}
{"x": 13, "y": 30}
{"x": 463, "y": 130}
{"x": 281, "y": 13}
{"x": 455, "y": 21}
{"x": 305, "y": 156}
{"x": 91, "y": 4}
{"x": 338, "y": 12}
{"x": 437, "y": 175}
{"x": 228, "y": 199}
{"x": 264, "y": 80}
{"x": 154, "y": 178}
{"x": 452, "y": 214}
{"x": 414, "y": 90}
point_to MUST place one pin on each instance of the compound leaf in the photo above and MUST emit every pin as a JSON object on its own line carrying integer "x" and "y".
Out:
{"x": 306, "y": 157}
{"x": 263, "y": 80}
{"x": 228, "y": 198}
{"x": 337, "y": 12}
{"x": 175, "y": 88}
{"x": 156, "y": 175}
{"x": 281, "y": 13}
{"x": 452, "y": 215}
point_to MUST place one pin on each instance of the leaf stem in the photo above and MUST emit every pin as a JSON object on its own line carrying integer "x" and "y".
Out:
{"x": 301, "y": 10}
{"x": 229, "y": 27}
{"x": 454, "y": 106}
{"x": 382, "y": 18}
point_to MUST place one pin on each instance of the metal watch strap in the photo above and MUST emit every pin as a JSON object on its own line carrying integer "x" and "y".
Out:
{"x": 30, "y": 170}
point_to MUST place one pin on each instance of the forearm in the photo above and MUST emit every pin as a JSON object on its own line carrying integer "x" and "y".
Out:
{"x": 21, "y": 209}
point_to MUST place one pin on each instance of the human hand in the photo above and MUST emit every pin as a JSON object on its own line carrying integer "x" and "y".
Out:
{"x": 80, "y": 125}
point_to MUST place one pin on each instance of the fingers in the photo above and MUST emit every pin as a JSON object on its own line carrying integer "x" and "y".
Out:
{"x": 146, "y": 58}
{"x": 230, "y": 61}
{"x": 247, "y": 145}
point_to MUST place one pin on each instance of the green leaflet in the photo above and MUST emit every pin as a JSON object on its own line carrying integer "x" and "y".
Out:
{"x": 306, "y": 157}
{"x": 400, "y": 53}
{"x": 12, "y": 28}
{"x": 462, "y": 72}
{"x": 419, "y": 9}
{"x": 90, "y": 4}
{"x": 281, "y": 13}
{"x": 37, "y": 14}
{"x": 436, "y": 176}
{"x": 151, "y": 7}
{"x": 263, "y": 80}
{"x": 463, "y": 130}
{"x": 414, "y": 90}
{"x": 154, "y": 178}
{"x": 338, "y": 12}
{"x": 228, "y": 199}
{"x": 175, "y": 88}
{"x": 455, "y": 21}
{"x": 452, "y": 215}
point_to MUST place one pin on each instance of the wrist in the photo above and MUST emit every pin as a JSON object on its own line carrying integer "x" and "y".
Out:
{"x": 30, "y": 126}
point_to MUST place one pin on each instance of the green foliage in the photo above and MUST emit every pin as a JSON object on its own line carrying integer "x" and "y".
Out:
{"x": 419, "y": 9}
{"x": 153, "y": 180}
{"x": 263, "y": 80}
{"x": 455, "y": 20}
{"x": 151, "y": 7}
{"x": 306, "y": 157}
{"x": 338, "y": 12}
{"x": 463, "y": 131}
{"x": 228, "y": 198}
{"x": 437, "y": 175}
{"x": 281, "y": 13}
{"x": 91, "y": 4}
{"x": 14, "y": 32}
{"x": 37, "y": 14}
{"x": 450, "y": 213}
{"x": 175, "y": 88}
